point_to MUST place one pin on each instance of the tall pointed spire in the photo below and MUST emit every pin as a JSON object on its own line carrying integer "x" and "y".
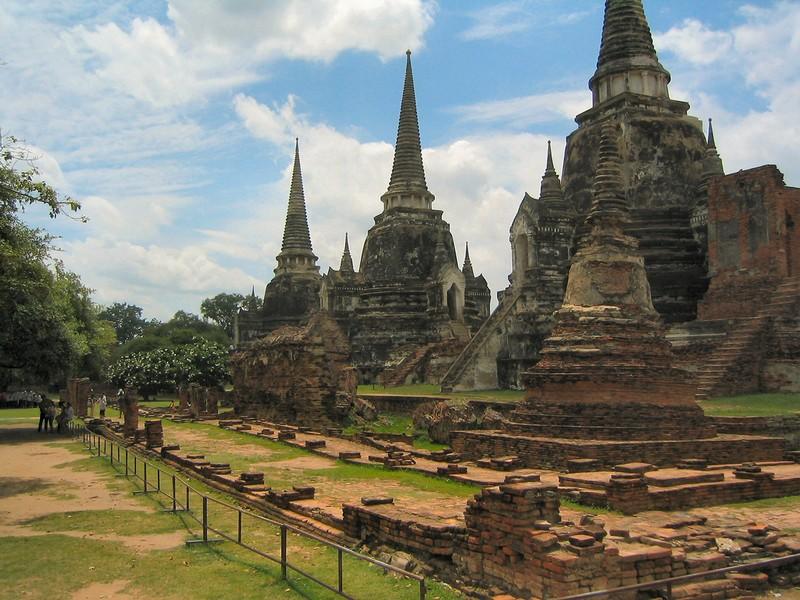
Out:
{"x": 550, "y": 193}
{"x": 711, "y": 142}
{"x": 627, "y": 60}
{"x": 407, "y": 186}
{"x": 610, "y": 211}
{"x": 467, "y": 268}
{"x": 346, "y": 265}
{"x": 296, "y": 254}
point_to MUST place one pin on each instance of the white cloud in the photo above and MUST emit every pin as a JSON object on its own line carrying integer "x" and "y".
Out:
{"x": 759, "y": 55}
{"x": 525, "y": 111}
{"x": 516, "y": 16}
{"x": 695, "y": 43}
{"x": 158, "y": 277}
{"x": 219, "y": 45}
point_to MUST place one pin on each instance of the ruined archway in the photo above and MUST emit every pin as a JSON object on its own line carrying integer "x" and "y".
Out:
{"x": 454, "y": 303}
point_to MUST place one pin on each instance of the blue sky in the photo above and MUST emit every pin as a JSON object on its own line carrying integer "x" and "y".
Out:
{"x": 173, "y": 121}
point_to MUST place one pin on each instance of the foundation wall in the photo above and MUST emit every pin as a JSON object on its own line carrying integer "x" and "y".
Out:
{"x": 554, "y": 454}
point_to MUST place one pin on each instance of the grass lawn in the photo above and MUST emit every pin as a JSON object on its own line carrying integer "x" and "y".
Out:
{"x": 279, "y": 476}
{"x": 57, "y": 564}
{"x": 753, "y": 405}
{"x": 424, "y": 389}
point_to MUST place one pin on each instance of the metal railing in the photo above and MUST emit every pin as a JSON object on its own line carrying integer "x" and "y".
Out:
{"x": 667, "y": 584}
{"x": 179, "y": 493}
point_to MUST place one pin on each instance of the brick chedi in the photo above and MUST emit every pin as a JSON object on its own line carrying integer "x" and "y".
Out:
{"x": 663, "y": 151}
{"x": 666, "y": 169}
{"x": 606, "y": 370}
{"x": 293, "y": 294}
{"x": 299, "y": 375}
{"x": 409, "y": 290}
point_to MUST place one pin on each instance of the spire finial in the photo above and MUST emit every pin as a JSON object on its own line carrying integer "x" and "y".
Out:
{"x": 711, "y": 143}
{"x": 550, "y": 166}
{"x": 408, "y": 173}
{"x": 346, "y": 264}
{"x": 467, "y": 268}
{"x": 296, "y": 237}
{"x": 550, "y": 192}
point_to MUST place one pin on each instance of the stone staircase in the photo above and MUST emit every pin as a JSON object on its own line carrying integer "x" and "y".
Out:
{"x": 456, "y": 370}
{"x": 397, "y": 374}
{"x": 740, "y": 353}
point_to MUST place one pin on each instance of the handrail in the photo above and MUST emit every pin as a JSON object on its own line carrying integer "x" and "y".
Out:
{"x": 92, "y": 440}
{"x": 670, "y": 581}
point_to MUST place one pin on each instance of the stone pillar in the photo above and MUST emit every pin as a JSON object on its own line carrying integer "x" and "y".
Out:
{"x": 78, "y": 395}
{"x": 183, "y": 398}
{"x": 627, "y": 493}
{"x": 129, "y": 407}
{"x": 212, "y": 402}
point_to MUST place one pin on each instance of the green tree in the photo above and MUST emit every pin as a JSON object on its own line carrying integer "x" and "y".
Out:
{"x": 126, "y": 318}
{"x": 91, "y": 338}
{"x": 162, "y": 370}
{"x": 222, "y": 309}
{"x": 35, "y": 341}
{"x": 182, "y": 329}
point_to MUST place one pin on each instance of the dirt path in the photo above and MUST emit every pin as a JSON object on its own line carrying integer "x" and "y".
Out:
{"x": 41, "y": 477}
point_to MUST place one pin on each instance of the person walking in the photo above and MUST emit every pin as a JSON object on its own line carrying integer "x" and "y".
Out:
{"x": 51, "y": 415}
{"x": 43, "y": 413}
{"x": 103, "y": 402}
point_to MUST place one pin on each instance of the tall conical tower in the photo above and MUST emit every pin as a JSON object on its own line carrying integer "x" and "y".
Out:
{"x": 296, "y": 254}
{"x": 407, "y": 187}
{"x": 293, "y": 294}
{"x": 662, "y": 150}
{"x": 467, "y": 268}
{"x": 346, "y": 264}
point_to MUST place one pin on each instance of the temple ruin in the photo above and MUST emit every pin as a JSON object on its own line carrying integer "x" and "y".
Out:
{"x": 693, "y": 225}
{"x": 409, "y": 291}
{"x": 293, "y": 294}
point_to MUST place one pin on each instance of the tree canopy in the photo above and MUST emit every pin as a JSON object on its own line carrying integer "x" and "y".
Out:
{"x": 180, "y": 330}
{"x": 126, "y": 319}
{"x": 222, "y": 309}
{"x": 162, "y": 370}
{"x": 49, "y": 326}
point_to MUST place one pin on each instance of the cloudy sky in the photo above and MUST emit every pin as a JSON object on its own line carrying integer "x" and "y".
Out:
{"x": 173, "y": 121}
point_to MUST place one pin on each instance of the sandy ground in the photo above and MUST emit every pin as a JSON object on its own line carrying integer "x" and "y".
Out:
{"x": 38, "y": 477}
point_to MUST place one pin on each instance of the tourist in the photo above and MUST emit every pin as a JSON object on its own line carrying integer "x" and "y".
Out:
{"x": 65, "y": 416}
{"x": 51, "y": 415}
{"x": 43, "y": 413}
{"x": 102, "y": 404}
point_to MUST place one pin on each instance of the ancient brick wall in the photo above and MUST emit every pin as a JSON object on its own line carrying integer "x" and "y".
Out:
{"x": 538, "y": 452}
{"x": 753, "y": 242}
{"x": 297, "y": 375}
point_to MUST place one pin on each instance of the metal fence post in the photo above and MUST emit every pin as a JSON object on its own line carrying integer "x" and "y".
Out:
{"x": 187, "y": 498}
{"x": 422, "y": 590}
{"x": 145, "y": 476}
{"x": 341, "y": 583}
{"x": 126, "y": 462}
{"x": 174, "y": 495}
{"x": 283, "y": 551}
{"x": 239, "y": 529}
{"x": 205, "y": 518}
{"x": 111, "y": 454}
{"x": 158, "y": 479}
{"x": 135, "y": 465}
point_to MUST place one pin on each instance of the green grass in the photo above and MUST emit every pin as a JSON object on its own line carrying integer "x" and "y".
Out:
{"x": 753, "y": 405}
{"x": 281, "y": 477}
{"x": 424, "y": 389}
{"x": 117, "y": 522}
{"x": 53, "y": 564}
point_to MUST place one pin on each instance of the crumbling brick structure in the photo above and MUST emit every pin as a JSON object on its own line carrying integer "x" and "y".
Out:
{"x": 753, "y": 242}
{"x": 299, "y": 375}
